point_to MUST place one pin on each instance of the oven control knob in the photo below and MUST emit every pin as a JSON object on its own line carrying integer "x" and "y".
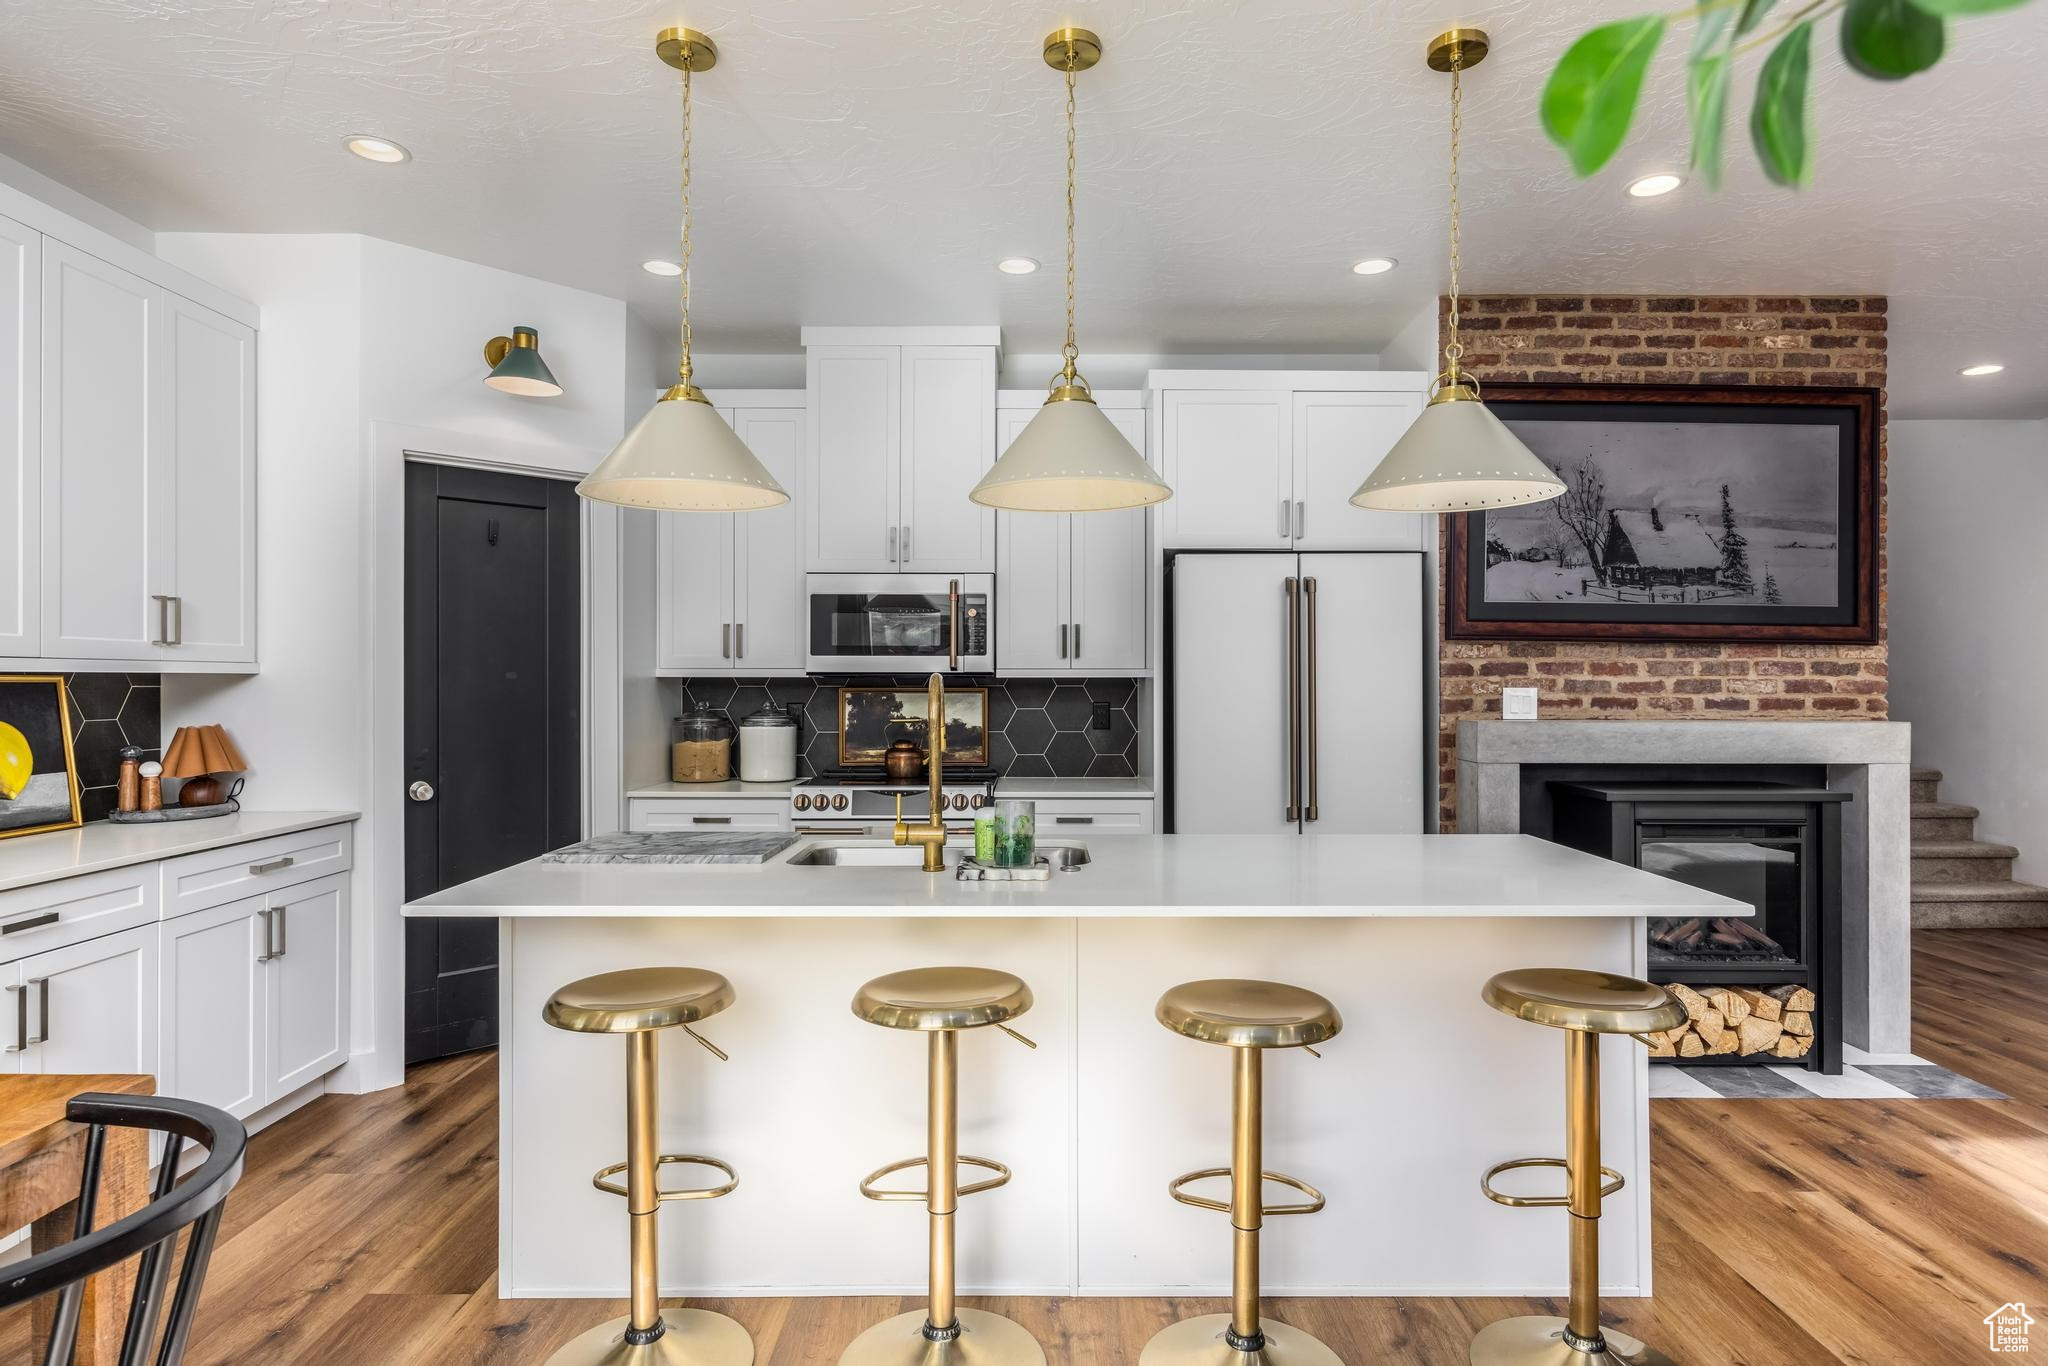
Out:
{"x": 839, "y": 801}
{"x": 959, "y": 801}
{"x": 802, "y": 801}
{"x": 979, "y": 801}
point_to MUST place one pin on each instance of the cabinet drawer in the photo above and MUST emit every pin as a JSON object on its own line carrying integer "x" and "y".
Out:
{"x": 690, "y": 814}
{"x": 218, "y": 876}
{"x": 1073, "y": 816}
{"x": 52, "y": 915}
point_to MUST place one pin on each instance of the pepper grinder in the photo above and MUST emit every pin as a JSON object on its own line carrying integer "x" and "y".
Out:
{"x": 152, "y": 774}
{"x": 128, "y": 796}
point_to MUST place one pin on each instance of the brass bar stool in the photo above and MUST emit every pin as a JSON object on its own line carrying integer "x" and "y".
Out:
{"x": 637, "y": 1002}
{"x": 1584, "y": 1005}
{"x": 942, "y": 1002}
{"x": 1247, "y": 1017}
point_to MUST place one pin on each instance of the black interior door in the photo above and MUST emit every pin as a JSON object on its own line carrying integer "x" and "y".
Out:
{"x": 493, "y": 720}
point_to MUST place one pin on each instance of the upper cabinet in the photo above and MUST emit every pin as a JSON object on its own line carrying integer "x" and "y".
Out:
{"x": 901, "y": 426}
{"x": 730, "y": 584}
{"x": 1273, "y": 468}
{"x": 1072, "y": 588}
{"x": 127, "y": 466}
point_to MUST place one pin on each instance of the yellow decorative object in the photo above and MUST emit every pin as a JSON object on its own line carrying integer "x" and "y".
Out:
{"x": 17, "y": 765}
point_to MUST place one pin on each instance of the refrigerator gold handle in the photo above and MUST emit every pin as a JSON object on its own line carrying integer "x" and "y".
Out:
{"x": 1293, "y": 700}
{"x": 1308, "y": 589}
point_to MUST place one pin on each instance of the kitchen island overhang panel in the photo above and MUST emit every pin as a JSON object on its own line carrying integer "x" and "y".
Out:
{"x": 1425, "y": 1089}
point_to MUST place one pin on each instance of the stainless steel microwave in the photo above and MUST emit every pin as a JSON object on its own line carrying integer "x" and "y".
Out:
{"x": 899, "y": 623}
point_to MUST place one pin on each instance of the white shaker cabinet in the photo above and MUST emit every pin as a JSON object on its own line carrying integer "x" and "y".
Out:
{"x": 1339, "y": 438}
{"x": 902, "y": 424}
{"x": 307, "y": 993}
{"x": 21, "y": 290}
{"x": 1228, "y": 456}
{"x": 89, "y": 1007}
{"x": 148, "y": 471}
{"x": 1072, "y": 587}
{"x": 729, "y": 591}
{"x": 214, "y": 976}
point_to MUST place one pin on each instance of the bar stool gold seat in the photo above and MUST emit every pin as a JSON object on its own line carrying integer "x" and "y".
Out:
{"x": 941, "y": 1002}
{"x": 637, "y": 1002}
{"x": 1585, "y": 1005}
{"x": 1247, "y": 1017}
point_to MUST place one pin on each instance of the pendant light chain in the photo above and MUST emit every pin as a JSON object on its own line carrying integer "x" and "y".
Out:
{"x": 684, "y": 369}
{"x": 1454, "y": 351}
{"x": 1072, "y": 350}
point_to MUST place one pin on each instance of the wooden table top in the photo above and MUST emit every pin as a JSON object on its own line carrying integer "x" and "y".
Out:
{"x": 32, "y": 1107}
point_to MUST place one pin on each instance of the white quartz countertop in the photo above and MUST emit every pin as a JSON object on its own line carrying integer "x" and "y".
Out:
{"x": 91, "y": 848}
{"x": 1129, "y": 875}
{"x": 728, "y": 789}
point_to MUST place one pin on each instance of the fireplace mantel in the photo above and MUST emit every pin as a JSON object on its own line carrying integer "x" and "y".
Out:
{"x": 1871, "y": 760}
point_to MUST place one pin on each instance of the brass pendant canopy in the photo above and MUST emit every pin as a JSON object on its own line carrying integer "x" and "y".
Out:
{"x": 1456, "y": 456}
{"x": 682, "y": 456}
{"x": 1070, "y": 457}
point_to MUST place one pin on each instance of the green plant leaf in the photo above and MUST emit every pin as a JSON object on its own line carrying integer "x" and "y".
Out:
{"x": 1963, "y": 9}
{"x": 1591, "y": 96}
{"x": 1780, "y": 119}
{"x": 1891, "y": 39}
{"x": 1706, "y": 101}
{"x": 1753, "y": 12}
{"x": 1710, "y": 30}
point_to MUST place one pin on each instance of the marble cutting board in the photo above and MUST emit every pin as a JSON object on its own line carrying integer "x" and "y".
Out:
{"x": 677, "y": 846}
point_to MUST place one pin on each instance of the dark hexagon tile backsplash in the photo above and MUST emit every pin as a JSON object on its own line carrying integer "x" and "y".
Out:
{"x": 1038, "y": 727}
{"x": 109, "y": 711}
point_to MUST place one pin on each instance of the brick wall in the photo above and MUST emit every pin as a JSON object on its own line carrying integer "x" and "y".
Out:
{"x": 1562, "y": 339}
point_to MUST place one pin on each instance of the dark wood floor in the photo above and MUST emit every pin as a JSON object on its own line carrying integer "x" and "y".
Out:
{"x": 1788, "y": 1233}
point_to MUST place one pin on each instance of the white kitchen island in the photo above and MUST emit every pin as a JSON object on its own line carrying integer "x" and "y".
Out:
{"x": 1423, "y": 1091}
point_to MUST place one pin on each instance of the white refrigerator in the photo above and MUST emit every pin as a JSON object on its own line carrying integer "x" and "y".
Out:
{"x": 1295, "y": 697}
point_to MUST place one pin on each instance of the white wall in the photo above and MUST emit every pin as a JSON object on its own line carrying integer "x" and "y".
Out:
{"x": 1968, "y": 652}
{"x": 368, "y": 350}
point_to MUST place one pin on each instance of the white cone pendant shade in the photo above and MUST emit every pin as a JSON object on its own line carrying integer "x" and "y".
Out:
{"x": 1070, "y": 458}
{"x": 1456, "y": 457}
{"x": 683, "y": 457}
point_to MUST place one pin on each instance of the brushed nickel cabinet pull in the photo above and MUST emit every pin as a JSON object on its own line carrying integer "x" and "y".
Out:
{"x": 1073, "y": 820}
{"x": 725, "y": 641}
{"x": 42, "y": 985}
{"x": 20, "y": 1043}
{"x": 1077, "y": 640}
{"x": 163, "y": 618}
{"x": 892, "y": 545}
{"x": 739, "y": 640}
{"x": 1063, "y": 640}
{"x": 268, "y": 937}
{"x": 271, "y": 866}
{"x": 1308, "y": 588}
{"x": 1293, "y": 700}
{"x": 711, "y": 820}
{"x": 34, "y": 922}
{"x": 177, "y": 621}
{"x": 1286, "y": 521}
{"x": 906, "y": 543}
{"x": 1300, "y": 520}
{"x": 282, "y": 925}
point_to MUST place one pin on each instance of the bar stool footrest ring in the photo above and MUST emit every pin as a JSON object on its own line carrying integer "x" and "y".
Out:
{"x": 1001, "y": 1178}
{"x": 695, "y": 1193}
{"x": 1314, "y": 1205}
{"x": 1614, "y": 1182}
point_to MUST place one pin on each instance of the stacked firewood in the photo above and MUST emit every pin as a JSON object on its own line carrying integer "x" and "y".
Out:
{"x": 1745, "y": 1021}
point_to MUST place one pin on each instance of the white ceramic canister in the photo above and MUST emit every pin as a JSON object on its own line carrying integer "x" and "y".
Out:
{"x": 768, "y": 746}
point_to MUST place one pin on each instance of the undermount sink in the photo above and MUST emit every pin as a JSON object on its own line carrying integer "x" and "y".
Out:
{"x": 1065, "y": 858}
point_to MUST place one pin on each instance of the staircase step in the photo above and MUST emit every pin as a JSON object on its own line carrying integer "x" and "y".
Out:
{"x": 1962, "y": 861}
{"x": 1943, "y": 821}
{"x": 1979, "y": 905}
{"x": 1926, "y": 789}
{"x": 1926, "y": 775}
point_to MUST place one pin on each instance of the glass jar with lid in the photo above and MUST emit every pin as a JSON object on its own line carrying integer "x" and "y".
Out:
{"x": 700, "y": 746}
{"x": 768, "y": 745}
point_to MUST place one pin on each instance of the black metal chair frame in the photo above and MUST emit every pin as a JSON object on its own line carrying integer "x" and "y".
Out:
{"x": 196, "y": 1203}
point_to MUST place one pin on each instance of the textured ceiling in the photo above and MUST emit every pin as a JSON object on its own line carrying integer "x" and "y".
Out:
{"x": 868, "y": 162}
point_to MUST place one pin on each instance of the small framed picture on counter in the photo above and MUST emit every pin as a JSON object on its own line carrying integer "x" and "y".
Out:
{"x": 38, "y": 779}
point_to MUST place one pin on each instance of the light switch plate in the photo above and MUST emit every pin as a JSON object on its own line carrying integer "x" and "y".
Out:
{"x": 1518, "y": 704}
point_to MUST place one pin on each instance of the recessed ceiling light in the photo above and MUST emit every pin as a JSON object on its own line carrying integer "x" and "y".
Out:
{"x": 1979, "y": 371}
{"x": 1016, "y": 265}
{"x": 1650, "y": 186}
{"x": 661, "y": 268}
{"x": 1374, "y": 265}
{"x": 375, "y": 149}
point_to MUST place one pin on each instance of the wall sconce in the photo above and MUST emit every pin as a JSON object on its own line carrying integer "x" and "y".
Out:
{"x": 516, "y": 366}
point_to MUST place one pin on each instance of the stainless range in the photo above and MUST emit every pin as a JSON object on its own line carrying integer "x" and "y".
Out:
{"x": 863, "y": 801}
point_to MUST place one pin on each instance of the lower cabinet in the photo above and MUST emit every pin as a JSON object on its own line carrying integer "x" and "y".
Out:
{"x": 86, "y": 1007}
{"x": 708, "y": 816}
{"x": 255, "y": 996}
{"x": 1069, "y": 817}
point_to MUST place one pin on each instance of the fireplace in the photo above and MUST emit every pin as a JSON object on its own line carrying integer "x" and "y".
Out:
{"x": 1761, "y": 989}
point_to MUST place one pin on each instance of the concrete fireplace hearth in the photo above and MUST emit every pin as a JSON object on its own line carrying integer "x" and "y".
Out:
{"x": 1871, "y": 760}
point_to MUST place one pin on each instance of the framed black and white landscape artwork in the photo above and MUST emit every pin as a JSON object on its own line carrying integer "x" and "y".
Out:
{"x": 1689, "y": 514}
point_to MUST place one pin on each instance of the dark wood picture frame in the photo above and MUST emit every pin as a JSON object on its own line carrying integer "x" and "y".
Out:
{"x": 1856, "y": 410}
{"x": 867, "y": 749}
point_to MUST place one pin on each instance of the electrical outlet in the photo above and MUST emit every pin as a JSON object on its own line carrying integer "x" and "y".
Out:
{"x": 1518, "y": 704}
{"x": 1101, "y": 721}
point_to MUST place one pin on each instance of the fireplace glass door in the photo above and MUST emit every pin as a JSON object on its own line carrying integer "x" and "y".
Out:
{"x": 1769, "y": 866}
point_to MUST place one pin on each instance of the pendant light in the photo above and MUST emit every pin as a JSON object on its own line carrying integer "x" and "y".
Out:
{"x": 682, "y": 456}
{"x": 1456, "y": 456}
{"x": 1070, "y": 458}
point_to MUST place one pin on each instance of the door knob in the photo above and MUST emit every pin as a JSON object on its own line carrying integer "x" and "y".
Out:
{"x": 420, "y": 791}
